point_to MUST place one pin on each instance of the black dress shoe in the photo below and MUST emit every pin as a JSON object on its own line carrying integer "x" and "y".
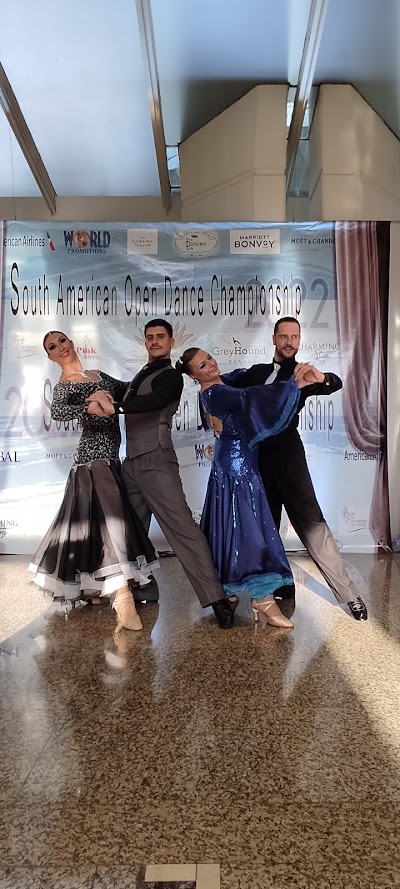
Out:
{"x": 358, "y": 609}
{"x": 285, "y": 592}
{"x": 224, "y": 612}
{"x": 233, "y": 602}
{"x": 147, "y": 593}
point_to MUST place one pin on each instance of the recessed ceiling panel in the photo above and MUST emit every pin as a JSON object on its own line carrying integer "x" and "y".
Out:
{"x": 78, "y": 75}
{"x": 360, "y": 45}
{"x": 77, "y": 72}
{"x": 211, "y": 53}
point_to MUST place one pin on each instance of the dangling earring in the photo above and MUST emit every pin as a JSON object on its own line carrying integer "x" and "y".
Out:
{"x": 195, "y": 381}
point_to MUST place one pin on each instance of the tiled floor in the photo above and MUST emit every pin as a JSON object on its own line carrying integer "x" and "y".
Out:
{"x": 274, "y": 754}
{"x": 180, "y": 876}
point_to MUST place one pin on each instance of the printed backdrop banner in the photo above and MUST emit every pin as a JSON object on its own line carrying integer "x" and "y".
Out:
{"x": 221, "y": 287}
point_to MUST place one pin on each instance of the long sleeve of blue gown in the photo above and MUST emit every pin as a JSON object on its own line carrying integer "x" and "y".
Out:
{"x": 260, "y": 411}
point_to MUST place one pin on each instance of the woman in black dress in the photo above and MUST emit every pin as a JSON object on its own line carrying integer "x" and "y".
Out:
{"x": 96, "y": 543}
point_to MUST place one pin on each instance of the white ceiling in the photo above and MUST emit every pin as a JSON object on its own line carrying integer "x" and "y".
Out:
{"x": 78, "y": 74}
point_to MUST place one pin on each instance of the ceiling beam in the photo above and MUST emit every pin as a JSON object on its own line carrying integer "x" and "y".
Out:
{"x": 25, "y": 140}
{"x": 305, "y": 81}
{"x": 146, "y": 30}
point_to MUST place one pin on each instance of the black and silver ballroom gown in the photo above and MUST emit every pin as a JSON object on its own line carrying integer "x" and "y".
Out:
{"x": 96, "y": 543}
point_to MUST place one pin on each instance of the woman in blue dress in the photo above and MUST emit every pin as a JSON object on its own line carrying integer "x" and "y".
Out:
{"x": 245, "y": 545}
{"x": 96, "y": 543}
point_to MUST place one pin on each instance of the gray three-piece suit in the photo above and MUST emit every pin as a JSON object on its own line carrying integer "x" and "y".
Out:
{"x": 151, "y": 475}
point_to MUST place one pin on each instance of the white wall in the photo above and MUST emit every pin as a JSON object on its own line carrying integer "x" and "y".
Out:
{"x": 234, "y": 167}
{"x": 118, "y": 209}
{"x": 354, "y": 159}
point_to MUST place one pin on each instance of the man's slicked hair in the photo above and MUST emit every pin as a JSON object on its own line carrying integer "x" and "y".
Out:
{"x": 282, "y": 321}
{"x": 159, "y": 322}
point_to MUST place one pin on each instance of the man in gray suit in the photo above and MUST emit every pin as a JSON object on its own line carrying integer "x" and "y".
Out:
{"x": 150, "y": 471}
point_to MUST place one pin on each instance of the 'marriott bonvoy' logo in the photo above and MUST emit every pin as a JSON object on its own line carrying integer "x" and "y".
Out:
{"x": 196, "y": 243}
{"x": 82, "y": 241}
{"x": 262, "y": 242}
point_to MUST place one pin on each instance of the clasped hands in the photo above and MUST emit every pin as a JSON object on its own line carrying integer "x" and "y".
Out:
{"x": 306, "y": 374}
{"x": 101, "y": 404}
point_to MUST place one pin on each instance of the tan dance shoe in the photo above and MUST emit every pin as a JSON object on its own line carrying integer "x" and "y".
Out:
{"x": 126, "y": 612}
{"x": 271, "y": 612}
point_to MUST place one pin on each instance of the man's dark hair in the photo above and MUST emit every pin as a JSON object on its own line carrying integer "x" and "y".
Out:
{"x": 282, "y": 320}
{"x": 159, "y": 322}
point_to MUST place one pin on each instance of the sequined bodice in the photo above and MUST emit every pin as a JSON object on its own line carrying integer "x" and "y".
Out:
{"x": 101, "y": 437}
{"x": 232, "y": 454}
{"x": 231, "y": 451}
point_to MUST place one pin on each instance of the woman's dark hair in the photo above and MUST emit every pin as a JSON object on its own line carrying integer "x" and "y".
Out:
{"x": 184, "y": 361}
{"x": 49, "y": 332}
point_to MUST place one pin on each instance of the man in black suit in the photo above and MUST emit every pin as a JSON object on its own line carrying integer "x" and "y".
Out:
{"x": 284, "y": 470}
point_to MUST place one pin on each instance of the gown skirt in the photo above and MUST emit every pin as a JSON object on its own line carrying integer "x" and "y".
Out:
{"x": 245, "y": 545}
{"x": 96, "y": 543}
{"x": 246, "y": 548}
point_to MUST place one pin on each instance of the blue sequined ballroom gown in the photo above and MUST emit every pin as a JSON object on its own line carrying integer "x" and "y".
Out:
{"x": 246, "y": 548}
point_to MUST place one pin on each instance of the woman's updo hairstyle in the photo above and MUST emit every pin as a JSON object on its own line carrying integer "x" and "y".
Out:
{"x": 184, "y": 361}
